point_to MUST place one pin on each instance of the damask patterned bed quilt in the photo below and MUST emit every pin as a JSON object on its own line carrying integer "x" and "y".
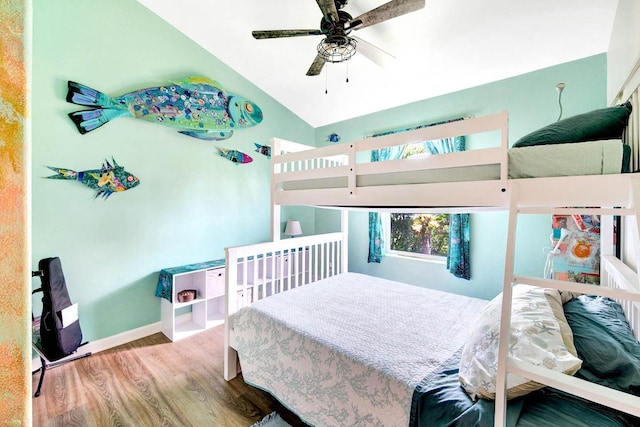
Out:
{"x": 352, "y": 349}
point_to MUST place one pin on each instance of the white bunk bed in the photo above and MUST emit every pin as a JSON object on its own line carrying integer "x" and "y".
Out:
{"x": 331, "y": 177}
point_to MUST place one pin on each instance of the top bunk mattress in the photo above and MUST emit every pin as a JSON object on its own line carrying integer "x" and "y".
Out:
{"x": 603, "y": 157}
{"x": 585, "y": 158}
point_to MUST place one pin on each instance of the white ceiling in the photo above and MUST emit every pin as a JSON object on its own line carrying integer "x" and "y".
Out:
{"x": 447, "y": 46}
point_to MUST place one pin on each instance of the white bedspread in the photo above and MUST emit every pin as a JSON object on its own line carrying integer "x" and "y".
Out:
{"x": 351, "y": 349}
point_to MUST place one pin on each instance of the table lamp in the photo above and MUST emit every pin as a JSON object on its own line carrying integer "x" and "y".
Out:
{"x": 293, "y": 228}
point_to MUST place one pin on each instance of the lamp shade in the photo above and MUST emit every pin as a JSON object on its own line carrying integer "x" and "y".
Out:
{"x": 293, "y": 228}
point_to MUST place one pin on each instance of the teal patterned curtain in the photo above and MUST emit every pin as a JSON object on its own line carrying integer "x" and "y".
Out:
{"x": 459, "y": 234}
{"x": 376, "y": 246}
{"x": 376, "y": 238}
{"x": 458, "y": 254}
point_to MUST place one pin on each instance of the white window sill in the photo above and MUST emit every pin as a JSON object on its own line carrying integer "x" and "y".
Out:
{"x": 421, "y": 258}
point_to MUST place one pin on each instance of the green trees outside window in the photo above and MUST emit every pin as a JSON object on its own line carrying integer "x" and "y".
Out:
{"x": 425, "y": 234}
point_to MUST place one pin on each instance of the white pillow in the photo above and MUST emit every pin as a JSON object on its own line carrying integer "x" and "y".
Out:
{"x": 540, "y": 335}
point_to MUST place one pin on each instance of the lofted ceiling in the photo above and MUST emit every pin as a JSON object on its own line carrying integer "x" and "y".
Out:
{"x": 447, "y": 46}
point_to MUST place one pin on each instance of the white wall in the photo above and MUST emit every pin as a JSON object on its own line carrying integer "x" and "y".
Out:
{"x": 624, "y": 47}
{"x": 190, "y": 204}
{"x": 531, "y": 100}
{"x": 623, "y": 60}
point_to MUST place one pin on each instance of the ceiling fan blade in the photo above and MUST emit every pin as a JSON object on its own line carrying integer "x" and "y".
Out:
{"x": 374, "y": 53}
{"x": 273, "y": 34}
{"x": 316, "y": 66}
{"x": 389, "y": 10}
{"x": 328, "y": 8}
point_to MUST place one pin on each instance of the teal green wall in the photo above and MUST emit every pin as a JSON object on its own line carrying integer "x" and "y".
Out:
{"x": 532, "y": 102}
{"x": 191, "y": 203}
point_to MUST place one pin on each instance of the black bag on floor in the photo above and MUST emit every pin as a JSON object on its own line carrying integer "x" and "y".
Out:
{"x": 58, "y": 339}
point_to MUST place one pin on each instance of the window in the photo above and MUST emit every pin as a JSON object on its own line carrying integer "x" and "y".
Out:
{"x": 418, "y": 235}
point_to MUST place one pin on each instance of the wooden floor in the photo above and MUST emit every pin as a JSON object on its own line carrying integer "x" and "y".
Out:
{"x": 152, "y": 382}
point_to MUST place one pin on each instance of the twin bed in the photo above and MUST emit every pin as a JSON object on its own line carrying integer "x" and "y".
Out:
{"x": 345, "y": 349}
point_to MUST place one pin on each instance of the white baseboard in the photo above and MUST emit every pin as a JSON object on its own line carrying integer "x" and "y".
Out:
{"x": 110, "y": 342}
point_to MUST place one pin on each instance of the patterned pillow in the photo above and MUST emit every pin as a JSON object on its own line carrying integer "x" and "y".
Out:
{"x": 540, "y": 335}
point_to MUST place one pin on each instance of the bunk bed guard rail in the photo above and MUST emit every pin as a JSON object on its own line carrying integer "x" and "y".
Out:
{"x": 348, "y": 178}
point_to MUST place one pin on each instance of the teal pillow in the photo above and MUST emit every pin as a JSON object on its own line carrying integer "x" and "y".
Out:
{"x": 605, "y": 123}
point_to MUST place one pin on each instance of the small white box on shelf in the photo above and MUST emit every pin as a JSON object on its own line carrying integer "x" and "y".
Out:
{"x": 215, "y": 282}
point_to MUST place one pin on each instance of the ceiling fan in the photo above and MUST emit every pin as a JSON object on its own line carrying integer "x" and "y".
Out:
{"x": 336, "y": 25}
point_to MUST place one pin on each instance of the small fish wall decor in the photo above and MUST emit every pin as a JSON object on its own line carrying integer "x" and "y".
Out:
{"x": 334, "y": 137}
{"x": 263, "y": 149}
{"x": 196, "y": 106}
{"x": 111, "y": 178}
{"x": 235, "y": 156}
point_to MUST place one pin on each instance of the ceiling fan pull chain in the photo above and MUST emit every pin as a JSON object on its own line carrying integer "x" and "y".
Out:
{"x": 347, "y": 72}
{"x": 326, "y": 81}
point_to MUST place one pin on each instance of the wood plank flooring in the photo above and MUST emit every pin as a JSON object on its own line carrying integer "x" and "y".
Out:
{"x": 152, "y": 382}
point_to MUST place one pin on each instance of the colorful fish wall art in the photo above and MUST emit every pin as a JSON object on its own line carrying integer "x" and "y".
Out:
{"x": 235, "y": 156}
{"x": 263, "y": 149}
{"x": 197, "y": 106}
{"x": 111, "y": 178}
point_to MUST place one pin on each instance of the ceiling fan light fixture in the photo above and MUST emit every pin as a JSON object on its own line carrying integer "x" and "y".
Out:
{"x": 337, "y": 49}
{"x": 336, "y": 24}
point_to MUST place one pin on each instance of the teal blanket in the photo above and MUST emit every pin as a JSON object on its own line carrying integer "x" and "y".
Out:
{"x": 611, "y": 357}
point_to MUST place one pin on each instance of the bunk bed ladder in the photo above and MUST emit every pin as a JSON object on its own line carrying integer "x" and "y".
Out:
{"x": 505, "y": 316}
{"x": 609, "y": 397}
